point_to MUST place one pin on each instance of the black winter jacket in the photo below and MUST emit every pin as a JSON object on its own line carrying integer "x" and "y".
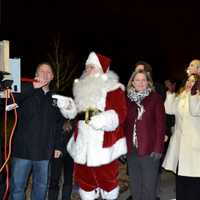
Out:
{"x": 39, "y": 127}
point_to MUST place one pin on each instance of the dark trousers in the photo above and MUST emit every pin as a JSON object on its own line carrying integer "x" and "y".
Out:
{"x": 143, "y": 175}
{"x": 187, "y": 188}
{"x": 56, "y": 166}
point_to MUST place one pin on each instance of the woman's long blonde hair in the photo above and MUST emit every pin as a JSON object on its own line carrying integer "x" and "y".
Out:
{"x": 147, "y": 75}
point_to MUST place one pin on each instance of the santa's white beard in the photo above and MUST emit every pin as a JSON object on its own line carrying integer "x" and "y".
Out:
{"x": 89, "y": 92}
{"x": 86, "y": 81}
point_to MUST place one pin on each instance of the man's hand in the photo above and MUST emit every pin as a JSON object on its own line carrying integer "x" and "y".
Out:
{"x": 38, "y": 83}
{"x": 57, "y": 154}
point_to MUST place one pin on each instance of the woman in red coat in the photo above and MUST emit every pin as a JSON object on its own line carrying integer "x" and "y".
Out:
{"x": 145, "y": 129}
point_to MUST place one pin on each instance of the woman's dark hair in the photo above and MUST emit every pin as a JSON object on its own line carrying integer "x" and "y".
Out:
{"x": 147, "y": 66}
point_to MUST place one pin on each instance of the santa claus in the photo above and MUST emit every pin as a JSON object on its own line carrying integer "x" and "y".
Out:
{"x": 98, "y": 140}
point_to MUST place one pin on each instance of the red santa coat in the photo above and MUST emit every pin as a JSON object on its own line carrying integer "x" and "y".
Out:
{"x": 102, "y": 140}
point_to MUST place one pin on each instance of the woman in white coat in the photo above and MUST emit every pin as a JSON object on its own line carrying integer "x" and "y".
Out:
{"x": 183, "y": 154}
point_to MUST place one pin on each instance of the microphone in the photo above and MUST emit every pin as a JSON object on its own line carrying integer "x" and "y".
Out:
{"x": 28, "y": 80}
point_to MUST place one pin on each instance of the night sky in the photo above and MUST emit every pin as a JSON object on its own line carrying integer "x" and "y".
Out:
{"x": 163, "y": 34}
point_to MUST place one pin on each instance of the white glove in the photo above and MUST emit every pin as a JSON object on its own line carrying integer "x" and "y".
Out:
{"x": 106, "y": 121}
{"x": 62, "y": 101}
{"x": 66, "y": 105}
{"x": 95, "y": 122}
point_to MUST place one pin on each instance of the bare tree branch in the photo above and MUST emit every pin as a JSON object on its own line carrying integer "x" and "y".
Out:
{"x": 63, "y": 62}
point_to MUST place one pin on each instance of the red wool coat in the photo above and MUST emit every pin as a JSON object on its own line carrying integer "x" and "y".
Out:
{"x": 150, "y": 129}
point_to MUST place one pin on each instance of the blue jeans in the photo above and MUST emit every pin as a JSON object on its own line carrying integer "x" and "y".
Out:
{"x": 20, "y": 172}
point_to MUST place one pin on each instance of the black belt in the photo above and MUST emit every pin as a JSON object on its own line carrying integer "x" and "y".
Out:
{"x": 86, "y": 115}
{"x": 81, "y": 116}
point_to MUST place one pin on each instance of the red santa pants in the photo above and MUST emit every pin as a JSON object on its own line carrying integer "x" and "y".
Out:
{"x": 104, "y": 177}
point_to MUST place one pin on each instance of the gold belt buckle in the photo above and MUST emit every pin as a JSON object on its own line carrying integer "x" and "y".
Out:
{"x": 87, "y": 116}
{"x": 89, "y": 113}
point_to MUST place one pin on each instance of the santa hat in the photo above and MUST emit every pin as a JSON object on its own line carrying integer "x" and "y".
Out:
{"x": 99, "y": 61}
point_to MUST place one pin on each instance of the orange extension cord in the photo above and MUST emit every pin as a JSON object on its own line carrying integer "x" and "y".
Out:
{"x": 8, "y": 154}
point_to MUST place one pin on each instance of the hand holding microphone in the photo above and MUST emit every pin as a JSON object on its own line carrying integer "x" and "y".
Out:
{"x": 38, "y": 82}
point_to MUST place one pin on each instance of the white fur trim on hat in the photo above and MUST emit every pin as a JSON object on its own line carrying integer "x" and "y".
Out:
{"x": 94, "y": 61}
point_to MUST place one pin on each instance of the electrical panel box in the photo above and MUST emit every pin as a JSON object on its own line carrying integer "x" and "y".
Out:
{"x": 10, "y": 67}
{"x": 15, "y": 70}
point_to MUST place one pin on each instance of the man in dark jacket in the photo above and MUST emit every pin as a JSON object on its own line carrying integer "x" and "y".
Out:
{"x": 37, "y": 136}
